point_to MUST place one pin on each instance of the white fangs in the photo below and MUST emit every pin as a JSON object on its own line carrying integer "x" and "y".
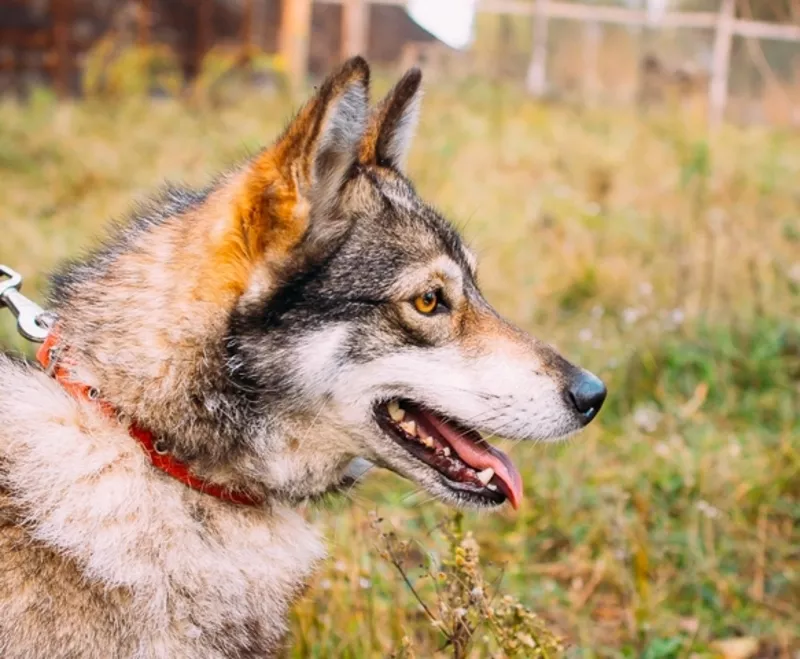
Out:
{"x": 395, "y": 411}
{"x": 486, "y": 475}
{"x": 410, "y": 427}
{"x": 425, "y": 437}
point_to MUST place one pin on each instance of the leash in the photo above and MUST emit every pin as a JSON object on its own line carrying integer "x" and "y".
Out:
{"x": 33, "y": 322}
{"x": 39, "y": 326}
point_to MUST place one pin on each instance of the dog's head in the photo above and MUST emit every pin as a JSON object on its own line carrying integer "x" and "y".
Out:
{"x": 363, "y": 325}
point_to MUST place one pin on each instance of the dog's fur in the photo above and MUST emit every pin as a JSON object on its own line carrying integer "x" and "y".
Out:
{"x": 252, "y": 326}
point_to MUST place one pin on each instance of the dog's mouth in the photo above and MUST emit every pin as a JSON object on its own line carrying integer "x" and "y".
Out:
{"x": 464, "y": 460}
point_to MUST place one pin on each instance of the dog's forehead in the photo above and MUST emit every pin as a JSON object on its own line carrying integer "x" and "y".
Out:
{"x": 409, "y": 221}
{"x": 400, "y": 194}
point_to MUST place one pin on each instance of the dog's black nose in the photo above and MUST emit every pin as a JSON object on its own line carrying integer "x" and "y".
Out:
{"x": 587, "y": 393}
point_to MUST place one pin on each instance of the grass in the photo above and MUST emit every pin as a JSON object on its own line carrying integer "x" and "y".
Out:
{"x": 665, "y": 259}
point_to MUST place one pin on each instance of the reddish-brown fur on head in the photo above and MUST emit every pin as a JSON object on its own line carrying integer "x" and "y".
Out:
{"x": 170, "y": 279}
{"x": 272, "y": 198}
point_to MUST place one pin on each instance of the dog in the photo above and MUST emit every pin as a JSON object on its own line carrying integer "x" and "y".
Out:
{"x": 225, "y": 356}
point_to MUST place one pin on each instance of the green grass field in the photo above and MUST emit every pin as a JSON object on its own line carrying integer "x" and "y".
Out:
{"x": 665, "y": 259}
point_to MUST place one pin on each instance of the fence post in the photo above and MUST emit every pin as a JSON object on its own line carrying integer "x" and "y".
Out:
{"x": 295, "y": 25}
{"x": 718, "y": 89}
{"x": 536, "y": 81}
{"x": 260, "y": 24}
{"x": 247, "y": 26}
{"x": 591, "y": 53}
{"x": 355, "y": 23}
{"x": 62, "y": 36}
{"x": 143, "y": 16}
{"x": 205, "y": 33}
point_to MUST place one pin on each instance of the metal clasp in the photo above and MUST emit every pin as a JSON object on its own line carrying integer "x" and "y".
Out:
{"x": 33, "y": 322}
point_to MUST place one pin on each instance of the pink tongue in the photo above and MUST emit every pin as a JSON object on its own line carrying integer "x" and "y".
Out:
{"x": 483, "y": 456}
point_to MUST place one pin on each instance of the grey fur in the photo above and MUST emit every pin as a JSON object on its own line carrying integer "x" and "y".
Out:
{"x": 270, "y": 390}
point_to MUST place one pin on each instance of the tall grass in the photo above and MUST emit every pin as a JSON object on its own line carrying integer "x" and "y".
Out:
{"x": 663, "y": 258}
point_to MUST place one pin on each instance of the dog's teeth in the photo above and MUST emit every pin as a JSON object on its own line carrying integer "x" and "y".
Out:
{"x": 395, "y": 411}
{"x": 492, "y": 487}
{"x": 446, "y": 451}
{"x": 486, "y": 475}
{"x": 410, "y": 427}
{"x": 424, "y": 437}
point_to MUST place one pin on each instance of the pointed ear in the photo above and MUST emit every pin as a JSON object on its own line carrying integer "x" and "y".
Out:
{"x": 393, "y": 123}
{"x": 320, "y": 144}
{"x": 305, "y": 168}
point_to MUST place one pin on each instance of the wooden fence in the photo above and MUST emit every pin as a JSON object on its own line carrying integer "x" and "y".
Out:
{"x": 53, "y": 39}
{"x": 294, "y": 21}
{"x": 723, "y": 23}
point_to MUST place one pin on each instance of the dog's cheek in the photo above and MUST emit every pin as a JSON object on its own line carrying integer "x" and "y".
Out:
{"x": 317, "y": 360}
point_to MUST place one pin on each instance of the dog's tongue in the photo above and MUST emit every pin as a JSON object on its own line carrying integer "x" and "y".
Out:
{"x": 482, "y": 456}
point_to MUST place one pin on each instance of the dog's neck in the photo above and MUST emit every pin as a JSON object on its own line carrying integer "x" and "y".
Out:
{"x": 155, "y": 348}
{"x": 152, "y": 321}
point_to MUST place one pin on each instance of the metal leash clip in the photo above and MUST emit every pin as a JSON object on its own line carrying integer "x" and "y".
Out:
{"x": 33, "y": 322}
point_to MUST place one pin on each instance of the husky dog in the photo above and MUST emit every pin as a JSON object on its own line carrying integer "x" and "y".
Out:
{"x": 304, "y": 310}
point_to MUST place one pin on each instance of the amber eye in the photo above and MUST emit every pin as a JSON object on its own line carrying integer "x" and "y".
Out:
{"x": 427, "y": 302}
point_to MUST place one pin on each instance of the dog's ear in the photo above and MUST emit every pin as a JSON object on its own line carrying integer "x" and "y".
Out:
{"x": 304, "y": 170}
{"x": 393, "y": 123}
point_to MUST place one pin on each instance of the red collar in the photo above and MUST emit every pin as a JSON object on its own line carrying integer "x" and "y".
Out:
{"x": 160, "y": 459}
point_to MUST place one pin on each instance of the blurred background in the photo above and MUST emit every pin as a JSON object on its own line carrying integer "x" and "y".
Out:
{"x": 628, "y": 172}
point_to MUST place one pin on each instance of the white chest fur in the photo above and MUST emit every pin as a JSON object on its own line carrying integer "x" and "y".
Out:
{"x": 194, "y": 566}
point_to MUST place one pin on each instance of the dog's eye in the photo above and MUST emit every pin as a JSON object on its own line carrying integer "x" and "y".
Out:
{"x": 427, "y": 303}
